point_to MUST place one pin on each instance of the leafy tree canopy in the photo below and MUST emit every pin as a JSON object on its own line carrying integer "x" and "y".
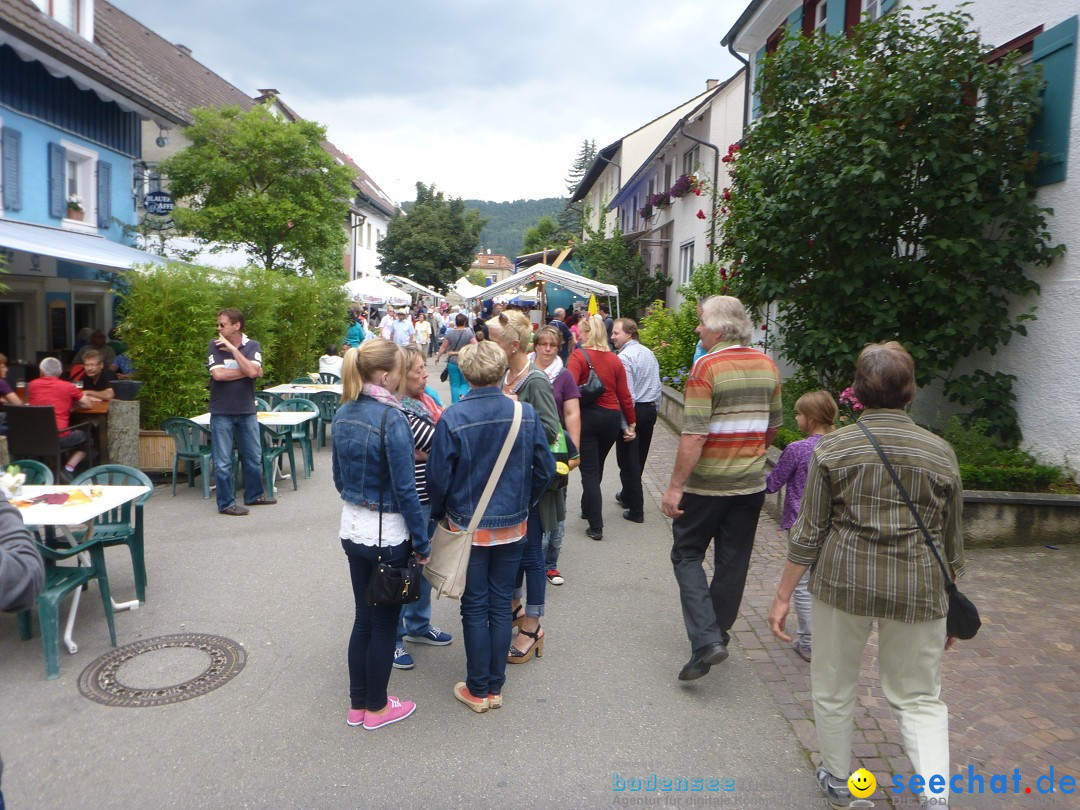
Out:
{"x": 616, "y": 261}
{"x": 435, "y": 243}
{"x": 264, "y": 185}
{"x": 885, "y": 193}
{"x": 545, "y": 234}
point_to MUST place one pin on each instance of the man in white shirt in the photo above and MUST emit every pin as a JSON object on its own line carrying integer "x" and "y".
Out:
{"x": 402, "y": 332}
{"x": 386, "y": 323}
{"x": 643, "y": 380}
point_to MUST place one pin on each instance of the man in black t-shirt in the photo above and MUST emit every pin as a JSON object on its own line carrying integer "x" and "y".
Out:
{"x": 235, "y": 362}
{"x": 97, "y": 380}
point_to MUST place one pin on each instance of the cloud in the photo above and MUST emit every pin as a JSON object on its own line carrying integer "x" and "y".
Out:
{"x": 486, "y": 98}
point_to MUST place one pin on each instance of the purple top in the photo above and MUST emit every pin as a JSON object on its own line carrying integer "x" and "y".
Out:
{"x": 791, "y": 469}
{"x": 565, "y": 388}
{"x": 5, "y": 389}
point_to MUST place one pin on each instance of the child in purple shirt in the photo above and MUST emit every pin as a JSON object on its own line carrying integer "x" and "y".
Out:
{"x": 815, "y": 414}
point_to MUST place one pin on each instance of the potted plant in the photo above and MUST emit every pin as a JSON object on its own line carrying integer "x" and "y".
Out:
{"x": 661, "y": 199}
{"x": 75, "y": 207}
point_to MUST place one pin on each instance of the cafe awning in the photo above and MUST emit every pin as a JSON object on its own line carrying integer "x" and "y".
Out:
{"x": 81, "y": 248}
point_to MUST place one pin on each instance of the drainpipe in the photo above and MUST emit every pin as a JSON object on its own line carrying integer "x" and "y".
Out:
{"x": 716, "y": 183}
{"x": 747, "y": 88}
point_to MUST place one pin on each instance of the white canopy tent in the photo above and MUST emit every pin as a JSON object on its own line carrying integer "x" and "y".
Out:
{"x": 373, "y": 290}
{"x": 467, "y": 290}
{"x": 541, "y": 274}
{"x": 409, "y": 285}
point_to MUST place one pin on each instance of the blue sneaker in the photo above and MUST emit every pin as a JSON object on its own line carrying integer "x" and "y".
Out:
{"x": 433, "y": 636}
{"x": 402, "y": 660}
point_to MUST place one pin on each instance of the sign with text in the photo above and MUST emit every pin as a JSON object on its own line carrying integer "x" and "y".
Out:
{"x": 158, "y": 203}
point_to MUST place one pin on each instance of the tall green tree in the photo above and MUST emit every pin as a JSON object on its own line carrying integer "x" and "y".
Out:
{"x": 572, "y": 216}
{"x": 886, "y": 193}
{"x": 544, "y": 235}
{"x": 435, "y": 243}
{"x": 256, "y": 182}
{"x": 616, "y": 261}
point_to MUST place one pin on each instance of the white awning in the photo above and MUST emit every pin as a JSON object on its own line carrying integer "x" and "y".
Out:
{"x": 410, "y": 285}
{"x": 373, "y": 290}
{"x": 542, "y": 272}
{"x": 82, "y": 248}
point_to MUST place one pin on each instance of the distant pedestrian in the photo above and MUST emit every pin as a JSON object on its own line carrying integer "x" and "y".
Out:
{"x": 423, "y": 334}
{"x": 815, "y": 414}
{"x": 456, "y": 339}
{"x": 355, "y": 335}
{"x": 643, "y": 379}
{"x": 731, "y": 414}
{"x": 235, "y": 362}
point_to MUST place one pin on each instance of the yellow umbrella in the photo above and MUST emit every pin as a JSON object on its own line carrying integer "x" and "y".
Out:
{"x": 592, "y": 305}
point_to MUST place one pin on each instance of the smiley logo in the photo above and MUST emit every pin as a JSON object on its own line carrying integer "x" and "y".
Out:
{"x": 862, "y": 783}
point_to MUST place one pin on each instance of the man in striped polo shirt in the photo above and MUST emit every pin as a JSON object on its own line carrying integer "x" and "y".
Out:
{"x": 731, "y": 415}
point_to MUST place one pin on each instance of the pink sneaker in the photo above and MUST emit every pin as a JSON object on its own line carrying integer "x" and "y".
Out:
{"x": 356, "y": 717}
{"x": 396, "y": 709}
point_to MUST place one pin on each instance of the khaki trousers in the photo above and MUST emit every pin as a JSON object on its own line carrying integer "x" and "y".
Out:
{"x": 909, "y": 667}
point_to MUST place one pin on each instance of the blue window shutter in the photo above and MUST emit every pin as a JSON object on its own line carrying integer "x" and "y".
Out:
{"x": 57, "y": 167}
{"x": 1055, "y": 50}
{"x": 794, "y": 23}
{"x": 755, "y": 99}
{"x": 887, "y": 6}
{"x": 11, "y": 179}
{"x": 104, "y": 193}
{"x": 835, "y": 11}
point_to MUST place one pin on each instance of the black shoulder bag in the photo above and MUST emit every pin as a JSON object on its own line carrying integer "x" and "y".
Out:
{"x": 593, "y": 386}
{"x": 963, "y": 620}
{"x": 389, "y": 585}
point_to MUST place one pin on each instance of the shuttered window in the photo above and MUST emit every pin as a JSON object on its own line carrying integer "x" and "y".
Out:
{"x": 104, "y": 193}
{"x": 11, "y": 178}
{"x": 1055, "y": 51}
{"x": 57, "y": 181}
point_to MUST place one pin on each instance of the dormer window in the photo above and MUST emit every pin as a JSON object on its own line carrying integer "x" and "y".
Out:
{"x": 75, "y": 15}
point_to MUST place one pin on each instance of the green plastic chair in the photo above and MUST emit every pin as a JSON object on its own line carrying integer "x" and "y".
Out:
{"x": 190, "y": 447}
{"x": 328, "y": 403}
{"x": 37, "y": 474}
{"x": 118, "y": 526}
{"x": 274, "y": 446}
{"x": 329, "y": 378}
{"x": 272, "y": 399}
{"x": 305, "y": 380}
{"x": 262, "y": 405}
{"x": 60, "y": 580}
{"x": 302, "y": 433}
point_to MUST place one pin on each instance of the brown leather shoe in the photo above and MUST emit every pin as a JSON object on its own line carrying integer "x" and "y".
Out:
{"x": 234, "y": 510}
{"x": 263, "y": 501}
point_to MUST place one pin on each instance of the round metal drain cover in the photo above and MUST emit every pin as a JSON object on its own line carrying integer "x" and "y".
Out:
{"x": 103, "y": 681}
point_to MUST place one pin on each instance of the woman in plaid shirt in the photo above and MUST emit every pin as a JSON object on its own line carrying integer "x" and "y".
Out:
{"x": 871, "y": 564}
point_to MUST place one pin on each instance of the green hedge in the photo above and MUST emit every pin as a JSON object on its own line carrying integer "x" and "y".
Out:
{"x": 1037, "y": 478}
{"x": 170, "y": 315}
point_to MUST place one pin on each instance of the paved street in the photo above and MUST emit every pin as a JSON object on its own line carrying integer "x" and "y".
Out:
{"x": 602, "y": 706}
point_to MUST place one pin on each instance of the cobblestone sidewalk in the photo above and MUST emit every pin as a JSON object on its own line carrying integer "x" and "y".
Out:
{"x": 1013, "y": 692}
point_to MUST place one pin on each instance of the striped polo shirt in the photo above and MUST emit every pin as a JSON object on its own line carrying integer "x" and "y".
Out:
{"x": 733, "y": 397}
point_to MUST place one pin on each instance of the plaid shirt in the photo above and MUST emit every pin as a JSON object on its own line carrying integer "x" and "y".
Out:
{"x": 869, "y": 557}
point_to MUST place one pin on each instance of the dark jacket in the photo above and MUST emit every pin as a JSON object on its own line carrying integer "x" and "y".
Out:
{"x": 467, "y": 442}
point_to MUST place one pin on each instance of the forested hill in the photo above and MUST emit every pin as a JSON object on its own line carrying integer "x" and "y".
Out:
{"x": 508, "y": 221}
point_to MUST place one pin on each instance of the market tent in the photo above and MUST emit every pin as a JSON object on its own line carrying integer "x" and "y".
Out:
{"x": 467, "y": 290}
{"x": 409, "y": 285}
{"x": 373, "y": 290}
{"x": 546, "y": 274}
{"x": 527, "y": 297}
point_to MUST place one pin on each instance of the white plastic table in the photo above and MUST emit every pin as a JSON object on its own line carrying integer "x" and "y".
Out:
{"x": 69, "y": 516}
{"x": 269, "y": 418}
{"x": 299, "y": 389}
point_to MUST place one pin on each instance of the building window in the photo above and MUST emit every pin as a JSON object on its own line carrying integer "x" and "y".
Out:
{"x": 690, "y": 160}
{"x": 871, "y": 9}
{"x": 369, "y": 245}
{"x": 686, "y": 262}
{"x": 668, "y": 169}
{"x": 80, "y": 182}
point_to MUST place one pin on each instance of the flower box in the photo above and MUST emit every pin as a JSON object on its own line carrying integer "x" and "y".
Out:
{"x": 76, "y": 214}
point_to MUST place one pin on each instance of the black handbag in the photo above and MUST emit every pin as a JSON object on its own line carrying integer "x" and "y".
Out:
{"x": 593, "y": 386}
{"x": 445, "y": 373}
{"x": 390, "y": 585}
{"x": 962, "y": 621}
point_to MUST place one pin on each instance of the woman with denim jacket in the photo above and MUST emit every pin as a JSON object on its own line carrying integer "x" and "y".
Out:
{"x": 373, "y": 471}
{"x": 468, "y": 440}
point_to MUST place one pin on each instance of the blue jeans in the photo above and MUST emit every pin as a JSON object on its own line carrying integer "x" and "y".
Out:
{"x": 532, "y": 575}
{"x": 371, "y": 645}
{"x": 416, "y": 616}
{"x": 458, "y": 386}
{"x": 552, "y": 542}
{"x": 485, "y": 615}
{"x": 244, "y": 430}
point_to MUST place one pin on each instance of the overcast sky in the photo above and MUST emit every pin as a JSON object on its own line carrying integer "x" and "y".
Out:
{"x": 488, "y": 99}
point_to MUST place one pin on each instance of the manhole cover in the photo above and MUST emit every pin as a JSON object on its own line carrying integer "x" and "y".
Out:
{"x": 111, "y": 679}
